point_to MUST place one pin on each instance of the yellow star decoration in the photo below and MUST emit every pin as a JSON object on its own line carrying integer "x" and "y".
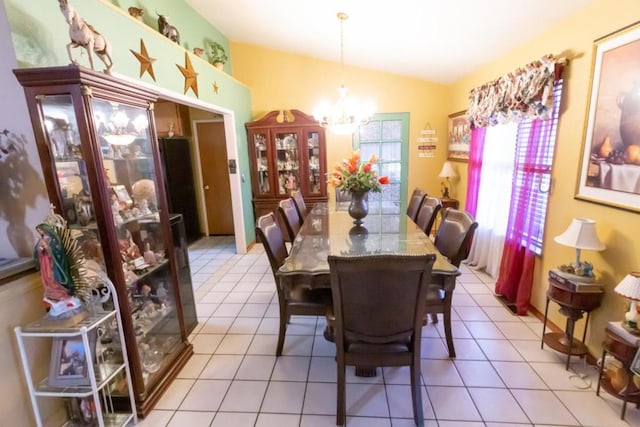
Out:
{"x": 215, "y": 87}
{"x": 190, "y": 76}
{"x": 146, "y": 62}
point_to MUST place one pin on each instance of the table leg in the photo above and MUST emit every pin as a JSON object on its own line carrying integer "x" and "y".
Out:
{"x": 586, "y": 325}
{"x": 569, "y": 334}
{"x": 544, "y": 325}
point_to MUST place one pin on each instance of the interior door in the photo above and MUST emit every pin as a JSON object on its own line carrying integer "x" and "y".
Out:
{"x": 215, "y": 177}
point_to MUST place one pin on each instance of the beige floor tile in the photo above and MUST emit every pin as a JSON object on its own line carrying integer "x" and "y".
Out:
{"x": 497, "y": 405}
{"x": 499, "y": 350}
{"x": 205, "y": 395}
{"x": 284, "y": 397}
{"x": 234, "y": 419}
{"x": 256, "y": 367}
{"x": 191, "y": 419}
{"x": 544, "y": 407}
{"x": 244, "y": 396}
{"x": 478, "y": 373}
{"x": 452, "y": 403}
{"x": 291, "y": 368}
{"x": 519, "y": 375}
{"x": 222, "y": 367}
{"x": 175, "y": 394}
{"x": 194, "y": 366}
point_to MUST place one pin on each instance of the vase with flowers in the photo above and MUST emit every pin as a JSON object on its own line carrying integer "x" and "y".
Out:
{"x": 350, "y": 175}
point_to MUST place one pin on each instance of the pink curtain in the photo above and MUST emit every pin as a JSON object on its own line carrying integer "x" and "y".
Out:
{"x": 475, "y": 169}
{"x": 533, "y": 153}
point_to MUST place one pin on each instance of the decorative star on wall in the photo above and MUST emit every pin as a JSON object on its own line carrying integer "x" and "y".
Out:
{"x": 190, "y": 76}
{"x": 215, "y": 87}
{"x": 146, "y": 62}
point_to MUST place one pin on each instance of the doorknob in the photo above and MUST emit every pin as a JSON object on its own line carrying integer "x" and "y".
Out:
{"x": 206, "y": 187}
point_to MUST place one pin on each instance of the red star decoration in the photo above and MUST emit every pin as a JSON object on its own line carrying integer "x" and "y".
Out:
{"x": 190, "y": 76}
{"x": 146, "y": 62}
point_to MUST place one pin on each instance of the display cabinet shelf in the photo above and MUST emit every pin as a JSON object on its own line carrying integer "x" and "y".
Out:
{"x": 100, "y": 157}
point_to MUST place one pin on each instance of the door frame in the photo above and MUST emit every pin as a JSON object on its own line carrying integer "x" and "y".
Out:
{"x": 202, "y": 205}
{"x": 235, "y": 180}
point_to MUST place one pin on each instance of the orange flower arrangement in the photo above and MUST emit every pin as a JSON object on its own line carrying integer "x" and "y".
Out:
{"x": 351, "y": 175}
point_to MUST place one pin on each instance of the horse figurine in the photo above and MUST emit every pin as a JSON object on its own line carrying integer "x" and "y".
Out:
{"x": 167, "y": 29}
{"x": 84, "y": 35}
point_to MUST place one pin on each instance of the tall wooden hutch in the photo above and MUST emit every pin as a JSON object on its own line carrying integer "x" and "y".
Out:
{"x": 97, "y": 143}
{"x": 287, "y": 150}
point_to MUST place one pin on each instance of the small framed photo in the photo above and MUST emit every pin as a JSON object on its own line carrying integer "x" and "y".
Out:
{"x": 68, "y": 365}
{"x": 459, "y": 137}
{"x": 122, "y": 194}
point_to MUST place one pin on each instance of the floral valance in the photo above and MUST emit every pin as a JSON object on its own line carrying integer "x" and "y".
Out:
{"x": 525, "y": 92}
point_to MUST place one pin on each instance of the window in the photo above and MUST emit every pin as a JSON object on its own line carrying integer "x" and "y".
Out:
{"x": 535, "y": 146}
{"x": 387, "y": 136}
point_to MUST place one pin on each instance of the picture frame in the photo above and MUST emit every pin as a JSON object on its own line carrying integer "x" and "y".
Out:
{"x": 458, "y": 137}
{"x": 68, "y": 365}
{"x": 609, "y": 171}
{"x": 635, "y": 365}
{"x": 122, "y": 194}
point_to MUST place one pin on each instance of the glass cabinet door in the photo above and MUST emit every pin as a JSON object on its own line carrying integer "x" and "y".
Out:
{"x": 70, "y": 172}
{"x": 313, "y": 159}
{"x": 129, "y": 172}
{"x": 287, "y": 162}
{"x": 262, "y": 163}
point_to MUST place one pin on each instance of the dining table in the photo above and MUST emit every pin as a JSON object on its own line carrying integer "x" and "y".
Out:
{"x": 331, "y": 231}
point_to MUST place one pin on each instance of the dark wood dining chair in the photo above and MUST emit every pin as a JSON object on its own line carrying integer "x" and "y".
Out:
{"x": 453, "y": 240}
{"x": 300, "y": 204}
{"x": 298, "y": 298}
{"x": 427, "y": 214}
{"x": 415, "y": 202}
{"x": 290, "y": 217}
{"x": 378, "y": 311}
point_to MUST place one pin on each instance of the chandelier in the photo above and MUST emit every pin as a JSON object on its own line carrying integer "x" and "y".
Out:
{"x": 347, "y": 114}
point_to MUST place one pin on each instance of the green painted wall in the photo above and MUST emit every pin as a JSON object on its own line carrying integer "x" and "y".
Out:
{"x": 40, "y": 34}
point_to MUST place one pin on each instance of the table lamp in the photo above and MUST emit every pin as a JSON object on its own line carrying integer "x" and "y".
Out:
{"x": 629, "y": 288}
{"x": 447, "y": 172}
{"x": 581, "y": 234}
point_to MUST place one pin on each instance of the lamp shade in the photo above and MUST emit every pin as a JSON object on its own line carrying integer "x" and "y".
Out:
{"x": 581, "y": 234}
{"x": 629, "y": 287}
{"x": 447, "y": 171}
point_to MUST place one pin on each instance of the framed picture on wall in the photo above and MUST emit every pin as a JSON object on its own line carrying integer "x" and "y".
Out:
{"x": 610, "y": 162}
{"x": 459, "y": 137}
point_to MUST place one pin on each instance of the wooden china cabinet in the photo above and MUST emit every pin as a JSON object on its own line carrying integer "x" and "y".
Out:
{"x": 287, "y": 150}
{"x": 97, "y": 143}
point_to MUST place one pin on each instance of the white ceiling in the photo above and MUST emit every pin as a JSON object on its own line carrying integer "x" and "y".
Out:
{"x": 436, "y": 40}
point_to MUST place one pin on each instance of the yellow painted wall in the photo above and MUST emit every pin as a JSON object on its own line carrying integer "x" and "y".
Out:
{"x": 618, "y": 229}
{"x": 280, "y": 80}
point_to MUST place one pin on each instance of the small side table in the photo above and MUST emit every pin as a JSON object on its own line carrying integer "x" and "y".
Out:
{"x": 574, "y": 299}
{"x": 446, "y": 203}
{"x": 449, "y": 203}
{"x": 623, "y": 346}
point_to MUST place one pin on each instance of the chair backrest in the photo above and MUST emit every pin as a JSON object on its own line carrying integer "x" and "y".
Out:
{"x": 379, "y": 299}
{"x": 270, "y": 234}
{"x": 427, "y": 213}
{"x": 455, "y": 234}
{"x": 300, "y": 204}
{"x": 290, "y": 217}
{"x": 414, "y": 202}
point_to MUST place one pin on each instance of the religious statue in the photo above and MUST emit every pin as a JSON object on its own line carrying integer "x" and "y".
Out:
{"x": 61, "y": 263}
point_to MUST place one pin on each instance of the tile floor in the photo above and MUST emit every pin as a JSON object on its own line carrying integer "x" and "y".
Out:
{"x": 500, "y": 376}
